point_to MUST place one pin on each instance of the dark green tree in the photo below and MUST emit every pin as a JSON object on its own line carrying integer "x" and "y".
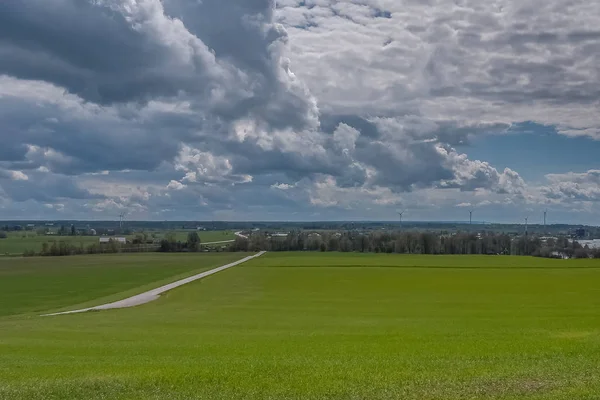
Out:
{"x": 193, "y": 241}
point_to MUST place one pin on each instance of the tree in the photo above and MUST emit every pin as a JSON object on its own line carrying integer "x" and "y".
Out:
{"x": 73, "y": 232}
{"x": 165, "y": 246}
{"x": 581, "y": 253}
{"x": 257, "y": 242}
{"x": 240, "y": 244}
{"x": 171, "y": 237}
{"x": 193, "y": 241}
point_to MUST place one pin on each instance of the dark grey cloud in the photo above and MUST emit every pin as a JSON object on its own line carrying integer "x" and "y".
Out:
{"x": 226, "y": 56}
{"x": 92, "y": 50}
{"x": 70, "y": 137}
{"x": 45, "y": 188}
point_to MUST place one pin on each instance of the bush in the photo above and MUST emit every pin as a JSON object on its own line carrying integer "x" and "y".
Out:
{"x": 581, "y": 253}
{"x": 3, "y": 235}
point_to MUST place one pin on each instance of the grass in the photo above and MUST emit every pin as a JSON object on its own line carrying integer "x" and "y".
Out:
{"x": 34, "y": 285}
{"x": 304, "y": 326}
{"x": 20, "y": 242}
{"x": 207, "y": 236}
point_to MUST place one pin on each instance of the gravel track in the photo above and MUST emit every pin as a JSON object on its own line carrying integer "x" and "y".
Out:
{"x": 155, "y": 293}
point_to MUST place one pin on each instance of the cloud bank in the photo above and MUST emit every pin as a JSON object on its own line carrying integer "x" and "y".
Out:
{"x": 310, "y": 109}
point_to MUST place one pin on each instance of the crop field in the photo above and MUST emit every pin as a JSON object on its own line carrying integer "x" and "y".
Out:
{"x": 303, "y": 326}
{"x": 20, "y": 242}
{"x": 207, "y": 236}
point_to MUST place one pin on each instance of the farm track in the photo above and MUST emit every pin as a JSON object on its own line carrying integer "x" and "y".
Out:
{"x": 154, "y": 294}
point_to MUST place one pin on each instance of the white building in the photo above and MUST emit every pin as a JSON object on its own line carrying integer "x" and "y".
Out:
{"x": 106, "y": 239}
{"x": 279, "y": 234}
{"x": 592, "y": 244}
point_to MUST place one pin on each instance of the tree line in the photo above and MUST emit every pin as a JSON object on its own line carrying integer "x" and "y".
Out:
{"x": 488, "y": 243}
{"x": 170, "y": 243}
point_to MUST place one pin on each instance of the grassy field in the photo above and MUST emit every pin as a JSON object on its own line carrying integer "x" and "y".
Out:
{"x": 20, "y": 242}
{"x": 322, "y": 326}
{"x": 34, "y": 285}
{"x": 207, "y": 236}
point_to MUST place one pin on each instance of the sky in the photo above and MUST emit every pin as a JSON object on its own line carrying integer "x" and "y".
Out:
{"x": 300, "y": 110}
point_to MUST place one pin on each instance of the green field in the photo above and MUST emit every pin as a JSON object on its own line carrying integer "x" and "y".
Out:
{"x": 311, "y": 326}
{"x": 207, "y": 236}
{"x": 20, "y": 242}
{"x": 35, "y": 285}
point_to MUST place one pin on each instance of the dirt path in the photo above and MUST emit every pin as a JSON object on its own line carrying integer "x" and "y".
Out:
{"x": 155, "y": 293}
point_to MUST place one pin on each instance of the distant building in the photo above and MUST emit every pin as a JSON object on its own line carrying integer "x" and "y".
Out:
{"x": 592, "y": 244}
{"x": 580, "y": 233}
{"x": 282, "y": 235}
{"x": 105, "y": 239}
{"x": 557, "y": 254}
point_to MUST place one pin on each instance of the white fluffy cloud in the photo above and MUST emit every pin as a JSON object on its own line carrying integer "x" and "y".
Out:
{"x": 13, "y": 175}
{"x": 466, "y": 61}
{"x": 573, "y": 187}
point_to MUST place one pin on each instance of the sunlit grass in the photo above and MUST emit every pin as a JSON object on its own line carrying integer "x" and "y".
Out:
{"x": 259, "y": 331}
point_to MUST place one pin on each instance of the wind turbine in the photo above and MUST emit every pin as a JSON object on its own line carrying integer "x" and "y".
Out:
{"x": 121, "y": 216}
{"x": 526, "y": 220}
{"x": 400, "y": 214}
{"x": 545, "y": 213}
{"x": 470, "y": 217}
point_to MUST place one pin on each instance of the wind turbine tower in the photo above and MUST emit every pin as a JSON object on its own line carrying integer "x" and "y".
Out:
{"x": 470, "y": 217}
{"x": 545, "y": 214}
{"x": 400, "y": 214}
{"x": 526, "y": 226}
{"x": 121, "y": 216}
